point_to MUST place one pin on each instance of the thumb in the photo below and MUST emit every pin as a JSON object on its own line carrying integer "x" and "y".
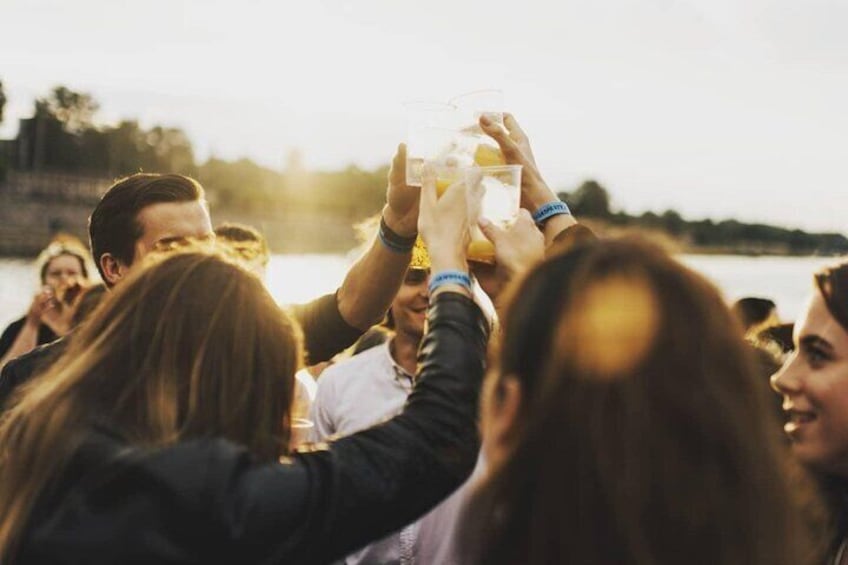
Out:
{"x": 492, "y": 231}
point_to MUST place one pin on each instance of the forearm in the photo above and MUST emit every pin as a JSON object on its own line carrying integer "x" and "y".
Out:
{"x": 373, "y": 281}
{"x": 26, "y": 341}
{"x": 389, "y": 475}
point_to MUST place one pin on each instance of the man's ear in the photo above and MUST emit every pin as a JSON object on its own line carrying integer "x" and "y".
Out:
{"x": 113, "y": 269}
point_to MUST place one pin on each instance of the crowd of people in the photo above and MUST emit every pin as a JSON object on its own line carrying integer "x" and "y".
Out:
{"x": 609, "y": 408}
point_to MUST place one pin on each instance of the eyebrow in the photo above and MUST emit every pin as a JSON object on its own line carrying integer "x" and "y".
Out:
{"x": 813, "y": 340}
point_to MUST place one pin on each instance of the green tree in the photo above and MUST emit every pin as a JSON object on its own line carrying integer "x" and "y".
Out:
{"x": 2, "y": 101}
{"x": 591, "y": 199}
{"x": 74, "y": 110}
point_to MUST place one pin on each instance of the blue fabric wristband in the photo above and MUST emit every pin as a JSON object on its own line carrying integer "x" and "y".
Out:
{"x": 550, "y": 209}
{"x": 449, "y": 277}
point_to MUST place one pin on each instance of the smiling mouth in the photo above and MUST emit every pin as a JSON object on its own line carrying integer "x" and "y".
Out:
{"x": 797, "y": 419}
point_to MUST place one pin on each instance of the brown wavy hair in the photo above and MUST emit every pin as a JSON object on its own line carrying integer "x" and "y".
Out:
{"x": 644, "y": 435}
{"x": 192, "y": 346}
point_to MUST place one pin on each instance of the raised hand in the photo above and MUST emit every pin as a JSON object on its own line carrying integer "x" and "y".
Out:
{"x": 517, "y": 248}
{"x": 515, "y": 147}
{"x": 402, "y": 200}
{"x": 444, "y": 220}
{"x": 60, "y": 314}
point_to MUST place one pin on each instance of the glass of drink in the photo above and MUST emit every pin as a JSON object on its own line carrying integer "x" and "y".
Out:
{"x": 431, "y": 135}
{"x": 501, "y": 199}
{"x": 301, "y": 432}
{"x": 469, "y": 108}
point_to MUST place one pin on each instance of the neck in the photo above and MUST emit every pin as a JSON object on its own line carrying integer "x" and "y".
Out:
{"x": 404, "y": 350}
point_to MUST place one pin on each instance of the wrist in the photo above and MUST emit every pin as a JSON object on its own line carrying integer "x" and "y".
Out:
{"x": 397, "y": 223}
{"x": 448, "y": 262}
{"x": 450, "y": 280}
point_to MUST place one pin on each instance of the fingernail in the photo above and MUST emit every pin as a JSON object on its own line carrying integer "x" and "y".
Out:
{"x": 484, "y": 222}
{"x": 485, "y": 120}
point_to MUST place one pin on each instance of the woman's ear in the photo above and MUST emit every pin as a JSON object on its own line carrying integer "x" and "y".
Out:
{"x": 501, "y": 417}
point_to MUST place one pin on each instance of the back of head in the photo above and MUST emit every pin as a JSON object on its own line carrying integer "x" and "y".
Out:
{"x": 244, "y": 242}
{"x": 191, "y": 346}
{"x": 113, "y": 227}
{"x": 754, "y": 312}
{"x": 642, "y": 434}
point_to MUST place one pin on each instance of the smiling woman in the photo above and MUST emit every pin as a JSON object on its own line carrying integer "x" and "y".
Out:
{"x": 814, "y": 385}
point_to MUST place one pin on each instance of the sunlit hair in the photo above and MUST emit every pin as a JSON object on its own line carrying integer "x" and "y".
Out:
{"x": 832, "y": 282}
{"x": 755, "y": 314}
{"x": 243, "y": 242}
{"x": 113, "y": 226}
{"x": 191, "y": 346}
{"x": 62, "y": 245}
{"x": 643, "y": 435}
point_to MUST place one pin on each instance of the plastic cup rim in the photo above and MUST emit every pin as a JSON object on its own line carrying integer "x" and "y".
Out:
{"x": 302, "y": 423}
{"x": 428, "y": 105}
{"x": 475, "y": 93}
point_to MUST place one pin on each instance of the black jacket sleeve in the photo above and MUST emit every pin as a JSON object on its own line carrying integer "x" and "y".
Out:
{"x": 207, "y": 501}
{"x": 22, "y": 369}
{"x": 362, "y": 487}
{"x": 325, "y": 332}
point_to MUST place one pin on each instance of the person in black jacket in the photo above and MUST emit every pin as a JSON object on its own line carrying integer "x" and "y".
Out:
{"x": 63, "y": 273}
{"x": 161, "y": 435}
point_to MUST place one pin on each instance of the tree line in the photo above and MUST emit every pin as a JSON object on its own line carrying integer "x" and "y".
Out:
{"x": 63, "y": 135}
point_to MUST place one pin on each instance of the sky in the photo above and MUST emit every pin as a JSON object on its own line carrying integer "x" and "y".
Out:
{"x": 716, "y": 108}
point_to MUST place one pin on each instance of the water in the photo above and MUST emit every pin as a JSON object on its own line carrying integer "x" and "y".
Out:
{"x": 299, "y": 278}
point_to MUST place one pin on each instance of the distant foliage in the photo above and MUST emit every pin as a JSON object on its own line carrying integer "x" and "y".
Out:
{"x": 63, "y": 136}
{"x": 591, "y": 200}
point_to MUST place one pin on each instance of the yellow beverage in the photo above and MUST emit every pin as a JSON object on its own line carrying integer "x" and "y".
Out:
{"x": 482, "y": 251}
{"x": 488, "y": 156}
{"x": 442, "y": 185}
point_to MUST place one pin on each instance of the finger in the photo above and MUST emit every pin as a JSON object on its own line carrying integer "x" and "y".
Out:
{"x": 428, "y": 186}
{"x": 515, "y": 130}
{"x": 492, "y": 231}
{"x": 524, "y": 219}
{"x": 397, "y": 172}
{"x": 499, "y": 133}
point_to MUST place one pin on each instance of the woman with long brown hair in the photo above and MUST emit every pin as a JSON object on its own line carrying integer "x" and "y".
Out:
{"x": 623, "y": 423}
{"x": 814, "y": 385}
{"x": 156, "y": 437}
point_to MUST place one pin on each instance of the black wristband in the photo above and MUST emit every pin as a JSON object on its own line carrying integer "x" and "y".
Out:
{"x": 394, "y": 240}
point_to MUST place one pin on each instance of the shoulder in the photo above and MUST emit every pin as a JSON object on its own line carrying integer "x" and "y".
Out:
{"x": 14, "y": 327}
{"x": 27, "y": 363}
{"x": 23, "y": 368}
{"x": 367, "y": 361}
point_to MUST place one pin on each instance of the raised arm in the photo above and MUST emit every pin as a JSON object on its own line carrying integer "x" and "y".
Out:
{"x": 341, "y": 496}
{"x": 373, "y": 281}
{"x": 535, "y": 192}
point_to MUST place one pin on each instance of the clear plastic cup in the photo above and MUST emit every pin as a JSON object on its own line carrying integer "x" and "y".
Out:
{"x": 471, "y": 105}
{"x": 431, "y": 135}
{"x": 301, "y": 432}
{"x": 500, "y": 205}
{"x": 482, "y": 150}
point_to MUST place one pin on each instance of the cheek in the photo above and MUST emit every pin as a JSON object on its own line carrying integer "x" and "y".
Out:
{"x": 828, "y": 388}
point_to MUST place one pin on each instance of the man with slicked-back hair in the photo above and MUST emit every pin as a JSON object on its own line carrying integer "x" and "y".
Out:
{"x": 146, "y": 211}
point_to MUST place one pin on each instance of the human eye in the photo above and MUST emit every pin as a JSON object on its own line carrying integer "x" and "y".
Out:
{"x": 816, "y": 356}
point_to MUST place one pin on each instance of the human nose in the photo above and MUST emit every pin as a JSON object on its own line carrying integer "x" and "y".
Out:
{"x": 788, "y": 380}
